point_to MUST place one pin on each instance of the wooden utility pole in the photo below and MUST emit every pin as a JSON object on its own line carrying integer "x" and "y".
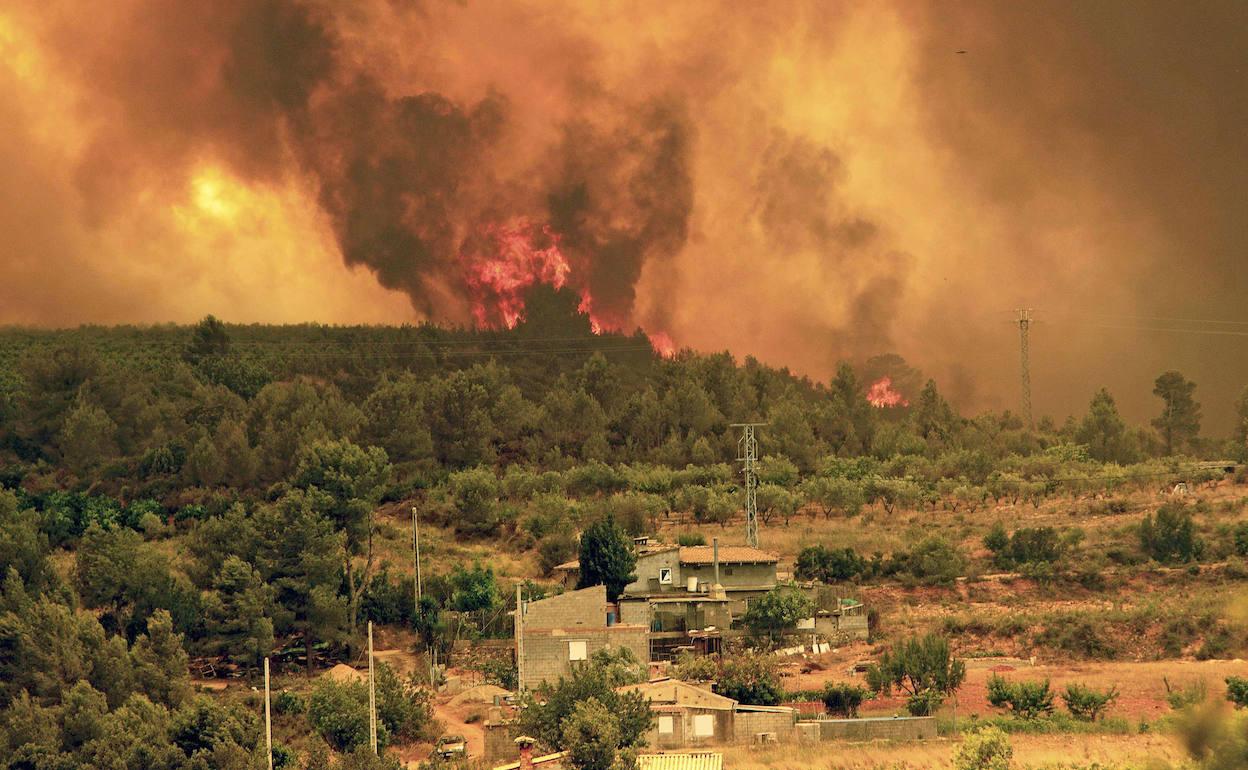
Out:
{"x": 519, "y": 637}
{"x": 372, "y": 694}
{"x": 416, "y": 550}
{"x": 268, "y": 715}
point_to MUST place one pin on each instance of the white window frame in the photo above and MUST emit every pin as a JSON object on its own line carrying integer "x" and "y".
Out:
{"x": 667, "y": 724}
{"x": 575, "y": 646}
{"x": 665, "y": 576}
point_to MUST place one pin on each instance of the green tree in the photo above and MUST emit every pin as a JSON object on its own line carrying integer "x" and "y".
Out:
{"x": 1087, "y": 703}
{"x": 284, "y": 418}
{"x": 620, "y": 666}
{"x": 1026, "y": 699}
{"x": 474, "y": 495}
{"x": 751, "y": 678}
{"x": 607, "y": 557}
{"x": 88, "y": 438}
{"x": 834, "y": 495}
{"x": 1240, "y": 433}
{"x": 161, "y": 666}
{"x": 298, "y": 554}
{"x": 791, "y": 434}
{"x": 23, "y": 548}
{"x": 1179, "y": 421}
{"x": 51, "y": 384}
{"x": 1105, "y": 434}
{"x": 829, "y": 565}
{"x": 844, "y": 699}
{"x": 352, "y": 479}
{"x": 591, "y": 736}
{"x": 922, "y": 667}
{"x": 933, "y": 560}
{"x": 236, "y": 613}
{"x": 394, "y": 418}
{"x": 934, "y": 419}
{"x": 402, "y": 707}
{"x": 543, "y": 716}
{"x": 1237, "y": 691}
{"x": 1170, "y": 536}
{"x": 82, "y": 712}
{"x": 338, "y": 711}
{"x": 208, "y": 338}
{"x": 205, "y": 727}
{"x": 777, "y": 610}
{"x": 474, "y": 591}
{"x": 773, "y": 500}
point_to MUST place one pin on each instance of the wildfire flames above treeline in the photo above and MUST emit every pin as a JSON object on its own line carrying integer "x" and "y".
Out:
{"x": 806, "y": 181}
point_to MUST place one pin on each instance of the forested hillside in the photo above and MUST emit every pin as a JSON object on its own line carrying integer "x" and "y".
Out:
{"x": 213, "y": 491}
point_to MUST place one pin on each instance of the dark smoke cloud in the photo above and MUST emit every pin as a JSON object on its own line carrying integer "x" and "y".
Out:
{"x": 405, "y": 178}
{"x": 803, "y": 181}
{"x": 622, "y": 197}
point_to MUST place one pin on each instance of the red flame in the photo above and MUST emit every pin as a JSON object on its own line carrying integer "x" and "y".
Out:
{"x": 881, "y": 394}
{"x": 519, "y": 255}
{"x": 514, "y": 263}
{"x": 662, "y": 344}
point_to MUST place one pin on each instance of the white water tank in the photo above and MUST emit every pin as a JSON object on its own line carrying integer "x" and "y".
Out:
{"x": 692, "y": 584}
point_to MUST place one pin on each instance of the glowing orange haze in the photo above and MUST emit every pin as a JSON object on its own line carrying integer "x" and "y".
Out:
{"x": 804, "y": 181}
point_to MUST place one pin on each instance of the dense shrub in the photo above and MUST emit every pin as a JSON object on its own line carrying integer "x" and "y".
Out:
{"x": 1241, "y": 538}
{"x": 986, "y": 749}
{"x": 829, "y": 565}
{"x": 338, "y": 711}
{"x": 750, "y": 678}
{"x": 778, "y": 609}
{"x": 1087, "y": 703}
{"x": 932, "y": 561}
{"x": 690, "y": 539}
{"x": 844, "y": 699}
{"x": 1237, "y": 691}
{"x": 1027, "y": 699}
{"x": 1170, "y": 537}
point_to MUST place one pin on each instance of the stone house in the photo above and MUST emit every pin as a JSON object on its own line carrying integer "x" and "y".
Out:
{"x": 556, "y": 634}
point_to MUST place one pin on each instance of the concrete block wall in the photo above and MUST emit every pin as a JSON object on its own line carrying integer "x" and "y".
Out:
{"x": 635, "y": 613}
{"x": 877, "y": 728}
{"x": 546, "y": 650}
{"x": 584, "y": 608}
{"x": 751, "y": 723}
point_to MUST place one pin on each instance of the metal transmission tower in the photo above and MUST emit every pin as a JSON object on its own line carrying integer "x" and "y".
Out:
{"x": 747, "y": 453}
{"x": 1024, "y": 323}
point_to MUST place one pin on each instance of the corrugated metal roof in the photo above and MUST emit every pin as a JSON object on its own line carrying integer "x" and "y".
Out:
{"x": 728, "y": 554}
{"x": 684, "y": 760}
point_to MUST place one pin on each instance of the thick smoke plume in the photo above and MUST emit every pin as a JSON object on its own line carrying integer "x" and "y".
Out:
{"x": 807, "y": 181}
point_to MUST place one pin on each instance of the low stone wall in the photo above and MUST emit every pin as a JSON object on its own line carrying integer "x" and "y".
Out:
{"x": 877, "y": 728}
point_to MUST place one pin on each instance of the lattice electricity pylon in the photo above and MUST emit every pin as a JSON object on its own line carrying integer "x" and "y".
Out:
{"x": 747, "y": 453}
{"x": 1024, "y": 324}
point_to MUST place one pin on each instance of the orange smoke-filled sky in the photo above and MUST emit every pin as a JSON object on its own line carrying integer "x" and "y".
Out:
{"x": 801, "y": 181}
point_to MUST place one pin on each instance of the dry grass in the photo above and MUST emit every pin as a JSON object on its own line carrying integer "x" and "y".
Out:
{"x": 1031, "y": 752}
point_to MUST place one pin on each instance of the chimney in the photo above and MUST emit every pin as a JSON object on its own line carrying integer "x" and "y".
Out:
{"x": 526, "y": 751}
{"x": 715, "y": 557}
